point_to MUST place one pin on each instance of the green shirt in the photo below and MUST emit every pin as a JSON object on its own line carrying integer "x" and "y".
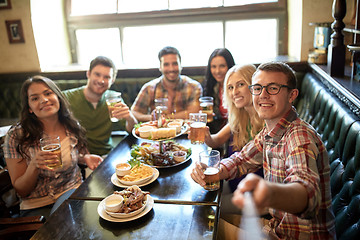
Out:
{"x": 96, "y": 121}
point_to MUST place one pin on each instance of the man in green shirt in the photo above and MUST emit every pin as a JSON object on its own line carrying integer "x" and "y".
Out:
{"x": 89, "y": 106}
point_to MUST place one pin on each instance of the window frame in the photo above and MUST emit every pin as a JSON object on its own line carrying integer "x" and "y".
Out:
{"x": 277, "y": 10}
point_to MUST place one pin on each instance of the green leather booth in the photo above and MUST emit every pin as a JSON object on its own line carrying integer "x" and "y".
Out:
{"x": 339, "y": 128}
{"x": 10, "y": 93}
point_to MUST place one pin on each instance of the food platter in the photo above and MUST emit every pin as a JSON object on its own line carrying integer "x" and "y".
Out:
{"x": 184, "y": 129}
{"x": 116, "y": 182}
{"x": 102, "y": 213}
{"x": 150, "y": 154}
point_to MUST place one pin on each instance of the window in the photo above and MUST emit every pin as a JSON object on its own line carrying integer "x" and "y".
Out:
{"x": 263, "y": 40}
{"x": 95, "y": 42}
{"x": 131, "y": 32}
{"x": 89, "y": 7}
{"x": 142, "y": 44}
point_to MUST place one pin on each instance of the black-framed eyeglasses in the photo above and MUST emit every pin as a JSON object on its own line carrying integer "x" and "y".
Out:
{"x": 272, "y": 88}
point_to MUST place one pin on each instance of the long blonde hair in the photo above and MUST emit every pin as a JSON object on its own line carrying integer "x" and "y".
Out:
{"x": 239, "y": 118}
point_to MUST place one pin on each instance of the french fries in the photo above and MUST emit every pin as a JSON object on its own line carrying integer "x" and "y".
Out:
{"x": 138, "y": 172}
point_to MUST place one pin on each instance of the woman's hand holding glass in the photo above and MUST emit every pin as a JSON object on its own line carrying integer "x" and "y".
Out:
{"x": 43, "y": 159}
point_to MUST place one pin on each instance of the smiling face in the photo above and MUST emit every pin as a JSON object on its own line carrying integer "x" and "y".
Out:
{"x": 272, "y": 108}
{"x": 100, "y": 79}
{"x": 43, "y": 102}
{"x": 170, "y": 67}
{"x": 218, "y": 68}
{"x": 238, "y": 91}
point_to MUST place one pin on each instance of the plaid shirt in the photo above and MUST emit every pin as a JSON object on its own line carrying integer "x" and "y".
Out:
{"x": 291, "y": 152}
{"x": 187, "y": 90}
{"x": 50, "y": 183}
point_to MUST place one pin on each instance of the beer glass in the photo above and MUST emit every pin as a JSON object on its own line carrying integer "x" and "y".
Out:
{"x": 197, "y": 127}
{"x": 52, "y": 144}
{"x": 111, "y": 101}
{"x": 207, "y": 106}
{"x": 210, "y": 162}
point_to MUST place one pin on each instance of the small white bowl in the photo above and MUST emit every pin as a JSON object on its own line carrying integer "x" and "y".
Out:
{"x": 179, "y": 120}
{"x": 145, "y": 131}
{"x": 176, "y": 125}
{"x": 113, "y": 202}
{"x": 122, "y": 169}
{"x": 179, "y": 156}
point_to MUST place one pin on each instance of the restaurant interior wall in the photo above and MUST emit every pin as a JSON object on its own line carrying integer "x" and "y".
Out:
{"x": 301, "y": 14}
{"x": 18, "y": 57}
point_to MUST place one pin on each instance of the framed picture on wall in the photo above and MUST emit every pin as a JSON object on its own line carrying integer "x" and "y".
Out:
{"x": 5, "y": 4}
{"x": 15, "y": 31}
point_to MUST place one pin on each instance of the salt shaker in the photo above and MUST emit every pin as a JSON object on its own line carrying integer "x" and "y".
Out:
{"x": 159, "y": 116}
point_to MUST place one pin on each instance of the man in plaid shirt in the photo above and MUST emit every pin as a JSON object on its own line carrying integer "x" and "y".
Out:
{"x": 182, "y": 92}
{"x": 296, "y": 184}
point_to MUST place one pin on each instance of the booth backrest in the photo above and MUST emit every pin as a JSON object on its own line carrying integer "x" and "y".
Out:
{"x": 339, "y": 129}
{"x": 10, "y": 93}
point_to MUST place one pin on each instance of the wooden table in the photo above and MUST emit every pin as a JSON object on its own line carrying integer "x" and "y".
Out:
{"x": 182, "y": 209}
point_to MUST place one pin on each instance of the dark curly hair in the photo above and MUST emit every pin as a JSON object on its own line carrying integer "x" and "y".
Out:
{"x": 30, "y": 126}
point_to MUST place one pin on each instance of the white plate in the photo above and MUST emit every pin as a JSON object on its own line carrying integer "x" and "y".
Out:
{"x": 127, "y": 215}
{"x": 116, "y": 182}
{"x": 104, "y": 215}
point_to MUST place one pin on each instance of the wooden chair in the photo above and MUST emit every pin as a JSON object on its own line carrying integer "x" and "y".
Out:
{"x": 12, "y": 227}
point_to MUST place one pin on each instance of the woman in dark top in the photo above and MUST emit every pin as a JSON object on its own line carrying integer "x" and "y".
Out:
{"x": 220, "y": 61}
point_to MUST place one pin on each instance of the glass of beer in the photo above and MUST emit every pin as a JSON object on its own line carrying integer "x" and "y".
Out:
{"x": 197, "y": 127}
{"x": 162, "y": 103}
{"x": 111, "y": 101}
{"x": 52, "y": 144}
{"x": 207, "y": 106}
{"x": 210, "y": 162}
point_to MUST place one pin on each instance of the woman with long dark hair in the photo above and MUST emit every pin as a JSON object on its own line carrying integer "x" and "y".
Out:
{"x": 45, "y": 112}
{"x": 220, "y": 61}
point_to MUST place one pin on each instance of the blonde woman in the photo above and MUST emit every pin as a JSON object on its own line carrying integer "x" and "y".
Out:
{"x": 244, "y": 123}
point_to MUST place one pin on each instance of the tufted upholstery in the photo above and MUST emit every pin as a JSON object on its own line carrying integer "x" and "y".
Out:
{"x": 10, "y": 93}
{"x": 339, "y": 128}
